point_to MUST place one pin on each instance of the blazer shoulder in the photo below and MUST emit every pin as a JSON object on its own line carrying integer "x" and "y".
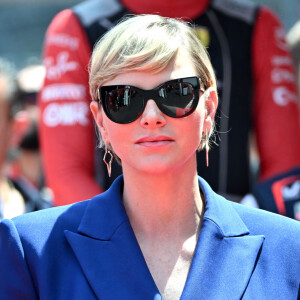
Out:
{"x": 267, "y": 223}
{"x": 42, "y": 224}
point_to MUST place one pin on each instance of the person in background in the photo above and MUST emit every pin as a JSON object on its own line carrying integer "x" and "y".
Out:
{"x": 28, "y": 172}
{"x": 11, "y": 200}
{"x": 25, "y": 171}
{"x": 22, "y": 182}
{"x": 159, "y": 232}
{"x": 257, "y": 92}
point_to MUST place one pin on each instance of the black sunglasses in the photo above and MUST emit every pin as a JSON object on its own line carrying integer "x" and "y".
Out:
{"x": 176, "y": 98}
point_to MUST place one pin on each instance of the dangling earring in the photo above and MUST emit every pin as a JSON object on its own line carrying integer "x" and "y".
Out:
{"x": 108, "y": 164}
{"x": 206, "y": 146}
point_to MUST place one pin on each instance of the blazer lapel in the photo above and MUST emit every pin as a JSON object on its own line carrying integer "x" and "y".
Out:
{"x": 225, "y": 256}
{"x": 108, "y": 252}
{"x": 113, "y": 264}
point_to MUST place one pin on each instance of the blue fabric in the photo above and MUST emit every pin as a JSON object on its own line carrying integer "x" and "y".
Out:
{"x": 88, "y": 251}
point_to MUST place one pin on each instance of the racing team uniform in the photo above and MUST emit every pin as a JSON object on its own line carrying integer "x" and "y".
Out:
{"x": 257, "y": 93}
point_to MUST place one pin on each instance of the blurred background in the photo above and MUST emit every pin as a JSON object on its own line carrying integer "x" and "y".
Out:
{"x": 22, "y": 28}
{"x": 23, "y": 24}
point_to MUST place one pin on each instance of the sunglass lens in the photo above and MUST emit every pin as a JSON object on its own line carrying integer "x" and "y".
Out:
{"x": 123, "y": 105}
{"x": 177, "y": 99}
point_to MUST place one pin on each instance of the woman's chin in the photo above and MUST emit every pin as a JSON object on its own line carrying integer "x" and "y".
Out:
{"x": 155, "y": 166}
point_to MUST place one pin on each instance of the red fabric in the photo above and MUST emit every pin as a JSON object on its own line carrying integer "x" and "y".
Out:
{"x": 187, "y": 10}
{"x": 276, "y": 118}
{"x": 67, "y": 144}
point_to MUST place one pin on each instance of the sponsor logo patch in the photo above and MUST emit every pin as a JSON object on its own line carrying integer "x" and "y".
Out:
{"x": 63, "y": 40}
{"x": 280, "y": 38}
{"x": 286, "y": 194}
{"x": 66, "y": 114}
{"x": 63, "y": 91}
{"x": 282, "y": 75}
{"x": 292, "y": 191}
{"x": 282, "y": 96}
{"x": 281, "y": 61}
{"x": 55, "y": 68}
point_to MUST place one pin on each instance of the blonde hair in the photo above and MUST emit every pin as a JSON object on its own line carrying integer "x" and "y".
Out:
{"x": 146, "y": 43}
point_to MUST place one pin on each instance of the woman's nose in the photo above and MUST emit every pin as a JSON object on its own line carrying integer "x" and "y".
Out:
{"x": 152, "y": 116}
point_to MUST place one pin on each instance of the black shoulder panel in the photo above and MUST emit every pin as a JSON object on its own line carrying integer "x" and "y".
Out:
{"x": 244, "y": 10}
{"x": 98, "y": 16}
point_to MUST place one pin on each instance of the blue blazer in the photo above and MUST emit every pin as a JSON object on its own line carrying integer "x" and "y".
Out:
{"x": 88, "y": 251}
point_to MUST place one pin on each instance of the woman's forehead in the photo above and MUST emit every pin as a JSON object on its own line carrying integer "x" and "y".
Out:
{"x": 180, "y": 66}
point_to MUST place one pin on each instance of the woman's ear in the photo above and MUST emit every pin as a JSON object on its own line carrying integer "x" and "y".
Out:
{"x": 95, "y": 109}
{"x": 97, "y": 112}
{"x": 211, "y": 104}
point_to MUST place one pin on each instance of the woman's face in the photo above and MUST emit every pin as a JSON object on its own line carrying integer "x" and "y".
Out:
{"x": 154, "y": 143}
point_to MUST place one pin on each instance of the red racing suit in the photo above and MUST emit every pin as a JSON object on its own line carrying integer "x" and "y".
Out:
{"x": 256, "y": 89}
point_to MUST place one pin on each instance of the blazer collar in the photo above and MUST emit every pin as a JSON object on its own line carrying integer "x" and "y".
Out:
{"x": 221, "y": 212}
{"x": 111, "y": 259}
{"x": 105, "y": 213}
{"x": 108, "y": 252}
{"x": 226, "y": 253}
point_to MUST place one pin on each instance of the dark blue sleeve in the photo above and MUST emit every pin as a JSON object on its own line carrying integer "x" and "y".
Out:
{"x": 15, "y": 279}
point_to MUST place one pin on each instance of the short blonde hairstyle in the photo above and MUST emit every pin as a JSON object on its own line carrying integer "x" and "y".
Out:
{"x": 146, "y": 43}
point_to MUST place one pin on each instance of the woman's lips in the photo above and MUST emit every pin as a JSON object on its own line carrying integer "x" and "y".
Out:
{"x": 154, "y": 141}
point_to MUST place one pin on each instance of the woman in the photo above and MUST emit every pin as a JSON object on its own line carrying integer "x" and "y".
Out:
{"x": 159, "y": 232}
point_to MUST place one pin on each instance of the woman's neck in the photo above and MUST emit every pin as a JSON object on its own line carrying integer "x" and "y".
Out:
{"x": 163, "y": 205}
{"x": 187, "y": 9}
